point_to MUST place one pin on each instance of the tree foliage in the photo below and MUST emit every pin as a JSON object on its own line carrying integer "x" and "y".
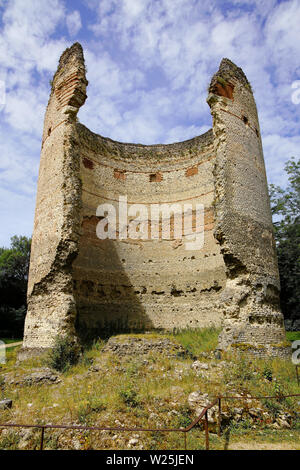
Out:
{"x": 285, "y": 204}
{"x": 14, "y": 266}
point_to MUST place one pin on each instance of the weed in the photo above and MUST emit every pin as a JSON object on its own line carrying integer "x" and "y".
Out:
{"x": 184, "y": 417}
{"x": 133, "y": 368}
{"x": 92, "y": 404}
{"x": 129, "y": 397}
{"x": 96, "y": 404}
{"x": 155, "y": 440}
{"x": 222, "y": 81}
{"x": 10, "y": 440}
{"x": 278, "y": 391}
{"x": 268, "y": 373}
{"x": 83, "y": 411}
{"x": 63, "y": 355}
{"x": 241, "y": 372}
{"x": 2, "y": 387}
{"x": 272, "y": 406}
{"x": 239, "y": 427}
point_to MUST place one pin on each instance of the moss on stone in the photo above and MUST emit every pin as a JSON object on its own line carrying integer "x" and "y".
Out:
{"x": 247, "y": 346}
{"x": 222, "y": 81}
{"x": 283, "y": 344}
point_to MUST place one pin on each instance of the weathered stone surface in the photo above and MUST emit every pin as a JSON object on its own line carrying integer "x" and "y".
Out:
{"x": 37, "y": 377}
{"x": 128, "y": 345}
{"x": 5, "y": 404}
{"x": 80, "y": 285}
{"x": 197, "y": 365}
{"x": 250, "y": 299}
{"x": 198, "y": 401}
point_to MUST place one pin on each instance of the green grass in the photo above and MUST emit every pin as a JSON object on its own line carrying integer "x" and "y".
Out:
{"x": 293, "y": 335}
{"x": 198, "y": 340}
{"x": 9, "y": 340}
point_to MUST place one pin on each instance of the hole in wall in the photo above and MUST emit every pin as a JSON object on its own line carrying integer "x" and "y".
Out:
{"x": 155, "y": 177}
{"x": 119, "y": 174}
{"x": 245, "y": 120}
{"x": 176, "y": 292}
{"x": 88, "y": 163}
{"x": 49, "y": 131}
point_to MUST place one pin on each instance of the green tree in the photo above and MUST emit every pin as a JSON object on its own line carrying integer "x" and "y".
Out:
{"x": 285, "y": 204}
{"x": 14, "y": 265}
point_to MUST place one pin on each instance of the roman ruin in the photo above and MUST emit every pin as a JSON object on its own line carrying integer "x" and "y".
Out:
{"x": 80, "y": 285}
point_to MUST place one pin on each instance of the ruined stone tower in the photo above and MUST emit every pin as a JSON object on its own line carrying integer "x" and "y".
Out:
{"x": 80, "y": 285}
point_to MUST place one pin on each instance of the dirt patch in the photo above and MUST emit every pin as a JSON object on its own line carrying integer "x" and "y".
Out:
{"x": 263, "y": 446}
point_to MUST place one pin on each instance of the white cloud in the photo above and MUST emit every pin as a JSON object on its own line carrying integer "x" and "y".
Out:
{"x": 25, "y": 108}
{"x": 25, "y": 37}
{"x": 17, "y": 214}
{"x": 180, "y": 133}
{"x": 282, "y": 38}
{"x": 74, "y": 23}
{"x": 18, "y": 178}
{"x": 33, "y": 17}
{"x": 277, "y": 150}
{"x": 149, "y": 64}
{"x": 18, "y": 163}
{"x": 27, "y": 55}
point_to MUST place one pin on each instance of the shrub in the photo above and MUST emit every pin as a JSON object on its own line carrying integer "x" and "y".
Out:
{"x": 279, "y": 391}
{"x": 132, "y": 369}
{"x": 63, "y": 355}
{"x": 241, "y": 371}
{"x": 272, "y": 406}
{"x": 129, "y": 397}
{"x": 238, "y": 427}
{"x": 156, "y": 438}
{"x": 83, "y": 411}
{"x": 184, "y": 417}
{"x": 88, "y": 406}
{"x": 268, "y": 373}
{"x": 96, "y": 404}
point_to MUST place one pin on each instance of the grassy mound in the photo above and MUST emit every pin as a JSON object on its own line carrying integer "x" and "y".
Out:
{"x": 106, "y": 390}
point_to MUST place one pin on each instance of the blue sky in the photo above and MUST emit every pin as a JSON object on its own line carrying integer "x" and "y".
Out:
{"x": 149, "y": 64}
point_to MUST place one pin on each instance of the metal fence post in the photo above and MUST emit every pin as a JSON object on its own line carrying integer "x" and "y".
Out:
{"x": 220, "y": 416}
{"x": 206, "y": 431}
{"x": 42, "y": 438}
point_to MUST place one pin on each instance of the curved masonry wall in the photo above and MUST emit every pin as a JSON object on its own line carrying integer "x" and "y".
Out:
{"x": 146, "y": 283}
{"x": 80, "y": 284}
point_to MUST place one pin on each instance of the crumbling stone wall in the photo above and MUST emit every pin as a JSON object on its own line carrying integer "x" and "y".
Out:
{"x": 244, "y": 226}
{"x": 146, "y": 283}
{"x": 80, "y": 284}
